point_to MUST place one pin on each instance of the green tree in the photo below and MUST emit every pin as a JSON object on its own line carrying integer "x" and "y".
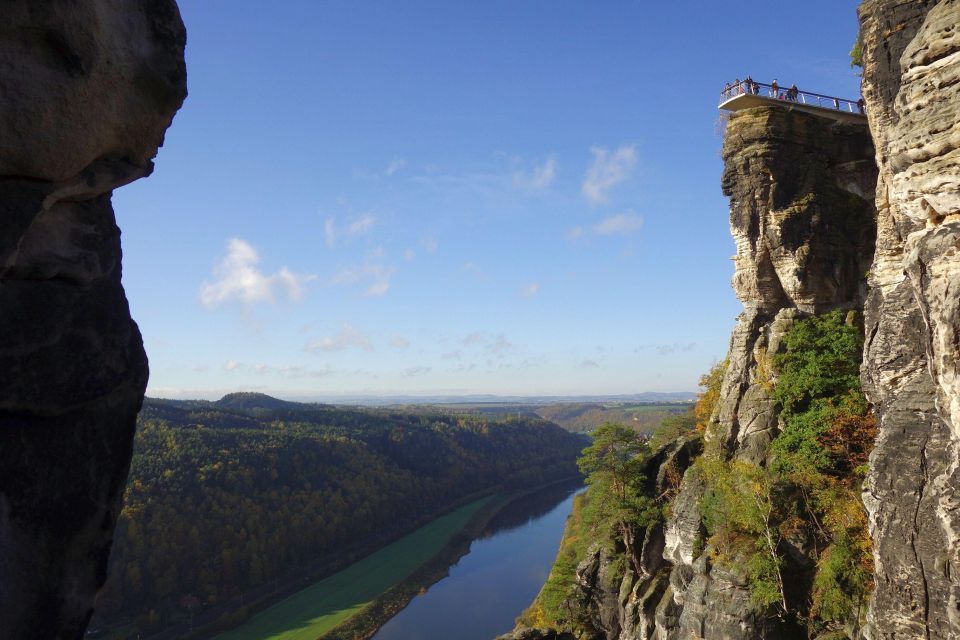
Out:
{"x": 613, "y": 464}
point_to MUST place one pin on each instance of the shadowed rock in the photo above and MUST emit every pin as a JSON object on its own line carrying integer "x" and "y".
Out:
{"x": 88, "y": 91}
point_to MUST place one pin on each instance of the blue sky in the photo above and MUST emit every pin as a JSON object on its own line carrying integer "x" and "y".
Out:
{"x": 512, "y": 197}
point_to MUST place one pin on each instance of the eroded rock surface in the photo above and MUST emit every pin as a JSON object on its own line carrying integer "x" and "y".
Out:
{"x": 88, "y": 90}
{"x": 910, "y": 372}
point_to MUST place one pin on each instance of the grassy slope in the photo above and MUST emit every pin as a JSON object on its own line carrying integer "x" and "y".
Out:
{"x": 319, "y": 608}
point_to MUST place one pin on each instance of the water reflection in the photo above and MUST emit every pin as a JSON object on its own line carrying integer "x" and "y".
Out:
{"x": 501, "y": 575}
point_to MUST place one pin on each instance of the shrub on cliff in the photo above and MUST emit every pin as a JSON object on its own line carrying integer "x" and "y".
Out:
{"x": 807, "y": 494}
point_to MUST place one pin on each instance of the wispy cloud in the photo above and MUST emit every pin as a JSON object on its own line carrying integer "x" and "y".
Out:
{"x": 330, "y": 232}
{"x": 348, "y": 336}
{"x": 607, "y": 170}
{"x": 498, "y": 345}
{"x": 376, "y": 276}
{"x": 576, "y": 233}
{"x": 237, "y": 278}
{"x": 412, "y": 372}
{"x": 530, "y": 290}
{"x": 361, "y": 224}
{"x": 668, "y": 349}
{"x": 395, "y": 165}
{"x": 538, "y": 177}
{"x": 430, "y": 244}
{"x": 399, "y": 342}
{"x": 621, "y": 224}
{"x": 588, "y": 364}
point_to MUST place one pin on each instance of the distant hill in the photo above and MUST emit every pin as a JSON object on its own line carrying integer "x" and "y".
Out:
{"x": 248, "y": 400}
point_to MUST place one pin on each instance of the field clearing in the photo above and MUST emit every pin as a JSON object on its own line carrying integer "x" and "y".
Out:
{"x": 309, "y": 613}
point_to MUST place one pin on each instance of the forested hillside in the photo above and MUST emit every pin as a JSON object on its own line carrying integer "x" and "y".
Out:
{"x": 584, "y": 417}
{"x": 226, "y": 497}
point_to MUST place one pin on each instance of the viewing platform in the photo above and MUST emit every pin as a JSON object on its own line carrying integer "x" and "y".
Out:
{"x": 746, "y": 95}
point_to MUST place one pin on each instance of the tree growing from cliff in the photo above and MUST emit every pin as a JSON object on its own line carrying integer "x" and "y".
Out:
{"x": 613, "y": 465}
{"x": 707, "y": 399}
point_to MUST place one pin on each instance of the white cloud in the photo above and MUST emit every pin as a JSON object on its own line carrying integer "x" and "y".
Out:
{"x": 330, "y": 232}
{"x": 348, "y": 336}
{"x": 377, "y": 275}
{"x": 430, "y": 244}
{"x": 399, "y": 342}
{"x": 622, "y": 223}
{"x": 588, "y": 364}
{"x": 451, "y": 355}
{"x": 539, "y": 177}
{"x": 232, "y": 365}
{"x": 575, "y": 233}
{"x": 415, "y": 371}
{"x": 361, "y": 225}
{"x": 530, "y": 290}
{"x": 238, "y": 278}
{"x": 395, "y": 165}
{"x": 262, "y": 368}
{"x": 607, "y": 170}
{"x": 409, "y": 254}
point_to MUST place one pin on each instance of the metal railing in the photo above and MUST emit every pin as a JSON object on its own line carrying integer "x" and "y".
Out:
{"x": 789, "y": 95}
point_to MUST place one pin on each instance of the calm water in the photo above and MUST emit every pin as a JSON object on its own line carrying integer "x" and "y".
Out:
{"x": 497, "y": 580}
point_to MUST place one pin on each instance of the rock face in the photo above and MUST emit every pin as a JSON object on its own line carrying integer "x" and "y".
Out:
{"x": 88, "y": 91}
{"x": 910, "y": 373}
{"x": 801, "y": 213}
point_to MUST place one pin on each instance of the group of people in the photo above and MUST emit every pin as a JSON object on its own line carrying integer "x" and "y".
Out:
{"x": 739, "y": 87}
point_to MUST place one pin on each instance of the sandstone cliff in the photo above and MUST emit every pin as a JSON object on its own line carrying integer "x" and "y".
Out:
{"x": 911, "y": 83}
{"x": 88, "y": 91}
{"x": 801, "y": 212}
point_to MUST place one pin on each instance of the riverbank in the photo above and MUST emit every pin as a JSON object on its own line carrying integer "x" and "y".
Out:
{"x": 365, "y": 595}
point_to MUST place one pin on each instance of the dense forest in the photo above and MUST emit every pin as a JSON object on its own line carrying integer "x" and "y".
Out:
{"x": 226, "y": 498}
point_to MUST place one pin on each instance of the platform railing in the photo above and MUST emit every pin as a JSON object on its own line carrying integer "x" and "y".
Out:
{"x": 785, "y": 94}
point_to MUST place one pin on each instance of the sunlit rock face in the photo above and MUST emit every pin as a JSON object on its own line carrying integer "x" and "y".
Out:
{"x": 88, "y": 91}
{"x": 801, "y": 213}
{"x": 911, "y": 84}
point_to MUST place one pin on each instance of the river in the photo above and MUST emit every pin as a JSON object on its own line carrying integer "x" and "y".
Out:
{"x": 500, "y": 576}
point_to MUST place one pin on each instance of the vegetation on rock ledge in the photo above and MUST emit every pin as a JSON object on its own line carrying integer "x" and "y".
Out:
{"x": 801, "y": 512}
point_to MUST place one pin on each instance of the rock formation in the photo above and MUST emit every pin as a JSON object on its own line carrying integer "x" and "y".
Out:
{"x": 88, "y": 91}
{"x": 801, "y": 213}
{"x": 911, "y": 82}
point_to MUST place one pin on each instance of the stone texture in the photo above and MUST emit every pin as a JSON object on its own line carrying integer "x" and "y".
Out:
{"x": 912, "y": 87}
{"x": 88, "y": 92}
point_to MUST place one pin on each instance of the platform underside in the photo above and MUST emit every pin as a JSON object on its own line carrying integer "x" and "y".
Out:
{"x": 749, "y": 101}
